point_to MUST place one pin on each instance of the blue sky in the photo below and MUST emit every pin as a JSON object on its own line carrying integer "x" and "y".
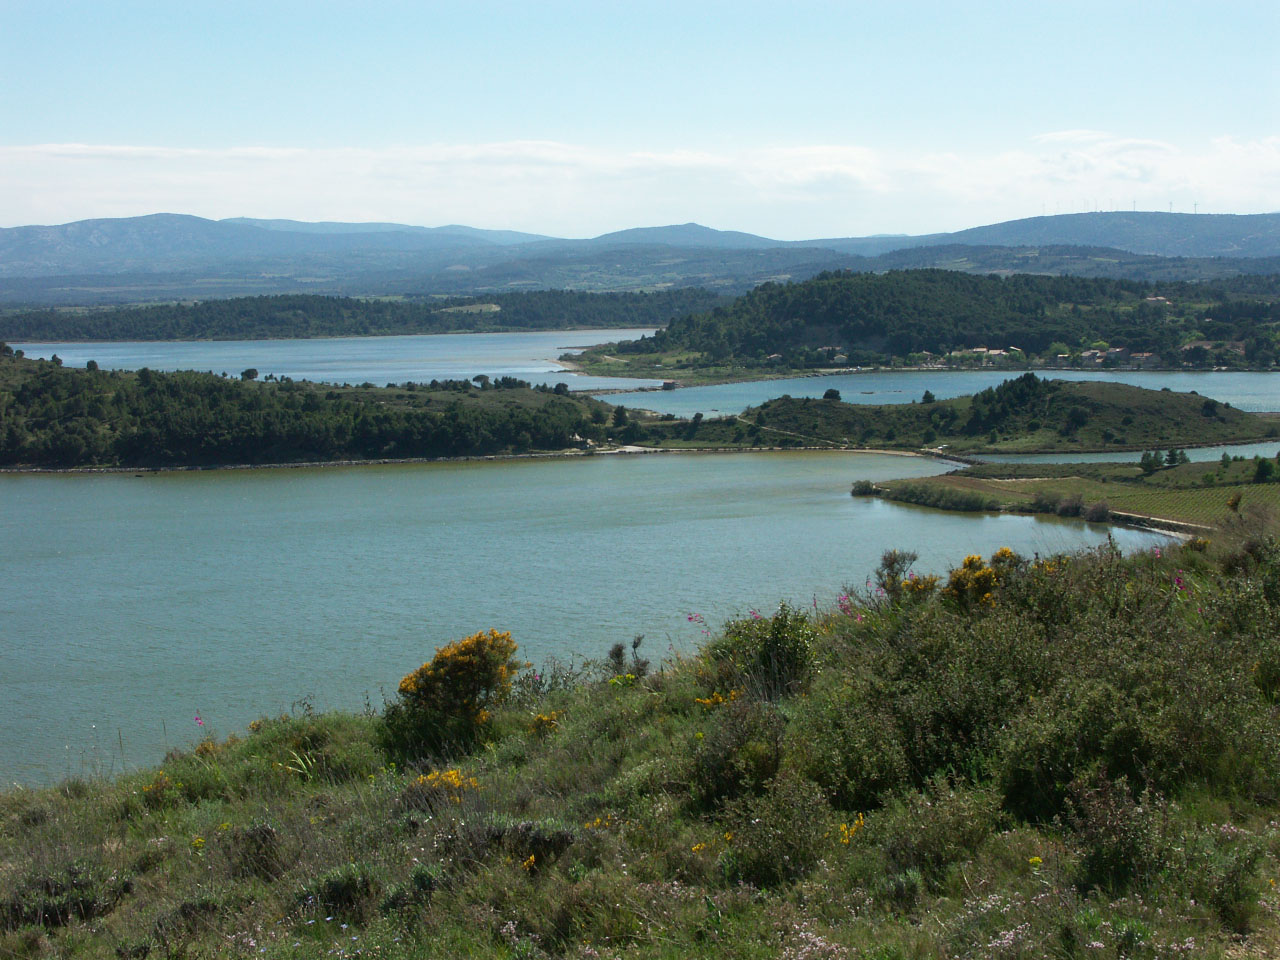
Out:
{"x": 796, "y": 120}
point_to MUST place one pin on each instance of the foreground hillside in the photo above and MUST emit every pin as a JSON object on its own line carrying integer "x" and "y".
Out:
{"x": 1070, "y": 757}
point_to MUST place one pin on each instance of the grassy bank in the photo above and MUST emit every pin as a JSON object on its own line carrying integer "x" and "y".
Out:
{"x": 1069, "y": 757}
{"x": 1200, "y": 495}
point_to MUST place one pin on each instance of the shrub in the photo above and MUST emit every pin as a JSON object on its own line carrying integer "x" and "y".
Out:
{"x": 863, "y": 488}
{"x": 1122, "y": 839}
{"x": 1068, "y": 731}
{"x": 346, "y": 890}
{"x": 740, "y": 750}
{"x": 973, "y": 583}
{"x": 772, "y": 655}
{"x": 941, "y": 497}
{"x": 1099, "y": 512}
{"x": 844, "y": 740}
{"x": 445, "y": 703}
{"x": 80, "y": 890}
{"x": 778, "y": 835}
{"x": 1070, "y": 506}
{"x": 928, "y": 831}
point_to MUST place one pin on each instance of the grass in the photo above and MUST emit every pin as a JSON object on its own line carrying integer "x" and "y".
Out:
{"x": 1070, "y": 757}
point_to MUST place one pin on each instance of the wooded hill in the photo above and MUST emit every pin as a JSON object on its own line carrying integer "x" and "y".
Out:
{"x": 299, "y": 316}
{"x": 1023, "y": 415}
{"x": 870, "y": 318}
{"x": 51, "y": 416}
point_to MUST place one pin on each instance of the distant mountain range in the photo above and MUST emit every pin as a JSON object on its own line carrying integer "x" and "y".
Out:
{"x": 174, "y": 256}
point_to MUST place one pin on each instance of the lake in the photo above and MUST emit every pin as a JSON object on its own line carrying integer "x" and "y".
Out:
{"x": 378, "y": 360}
{"x": 133, "y": 604}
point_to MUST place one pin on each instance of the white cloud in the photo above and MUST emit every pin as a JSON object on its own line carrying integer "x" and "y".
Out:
{"x": 569, "y": 189}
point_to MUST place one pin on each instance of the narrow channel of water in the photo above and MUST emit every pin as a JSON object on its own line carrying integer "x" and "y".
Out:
{"x": 1247, "y": 391}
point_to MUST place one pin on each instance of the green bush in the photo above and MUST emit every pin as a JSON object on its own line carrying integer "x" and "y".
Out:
{"x": 740, "y": 750}
{"x": 445, "y": 704}
{"x": 778, "y": 835}
{"x": 347, "y": 890}
{"x": 845, "y": 740}
{"x": 1122, "y": 838}
{"x": 80, "y": 890}
{"x": 929, "y": 830}
{"x": 940, "y": 497}
{"x": 772, "y": 655}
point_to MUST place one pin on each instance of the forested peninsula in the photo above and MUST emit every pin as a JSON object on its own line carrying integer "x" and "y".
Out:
{"x": 53, "y": 416}
{"x": 940, "y": 317}
{"x": 300, "y": 316}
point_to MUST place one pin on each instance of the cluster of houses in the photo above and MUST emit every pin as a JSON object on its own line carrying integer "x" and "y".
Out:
{"x": 1119, "y": 356}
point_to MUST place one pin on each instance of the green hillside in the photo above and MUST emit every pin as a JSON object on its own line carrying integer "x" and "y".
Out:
{"x": 848, "y": 319}
{"x": 1022, "y": 415}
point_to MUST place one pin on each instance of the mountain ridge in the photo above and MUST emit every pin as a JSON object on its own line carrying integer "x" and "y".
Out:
{"x": 180, "y": 256}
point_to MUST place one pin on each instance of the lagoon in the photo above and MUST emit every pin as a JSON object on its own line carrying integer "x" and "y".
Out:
{"x": 133, "y": 604}
{"x": 377, "y": 360}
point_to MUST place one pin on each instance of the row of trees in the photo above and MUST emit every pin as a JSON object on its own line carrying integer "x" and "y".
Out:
{"x": 293, "y": 316}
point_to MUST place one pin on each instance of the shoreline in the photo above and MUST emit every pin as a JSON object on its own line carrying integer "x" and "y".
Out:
{"x": 346, "y": 336}
{"x": 628, "y": 450}
{"x": 820, "y": 372}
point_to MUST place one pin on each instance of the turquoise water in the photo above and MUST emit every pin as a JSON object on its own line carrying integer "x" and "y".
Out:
{"x": 132, "y": 604}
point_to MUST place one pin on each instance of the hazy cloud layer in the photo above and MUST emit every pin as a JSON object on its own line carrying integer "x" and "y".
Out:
{"x": 571, "y": 190}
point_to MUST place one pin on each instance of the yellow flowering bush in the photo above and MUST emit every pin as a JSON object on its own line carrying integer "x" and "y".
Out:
{"x": 446, "y": 701}
{"x": 717, "y": 699}
{"x": 849, "y": 830}
{"x": 543, "y": 723}
{"x": 973, "y": 583}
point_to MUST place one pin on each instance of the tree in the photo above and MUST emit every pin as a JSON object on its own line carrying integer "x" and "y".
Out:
{"x": 91, "y": 365}
{"x": 619, "y": 416}
{"x": 928, "y": 397}
{"x": 831, "y": 394}
{"x": 250, "y": 374}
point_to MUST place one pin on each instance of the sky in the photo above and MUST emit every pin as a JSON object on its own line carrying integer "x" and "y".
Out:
{"x": 795, "y": 121}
